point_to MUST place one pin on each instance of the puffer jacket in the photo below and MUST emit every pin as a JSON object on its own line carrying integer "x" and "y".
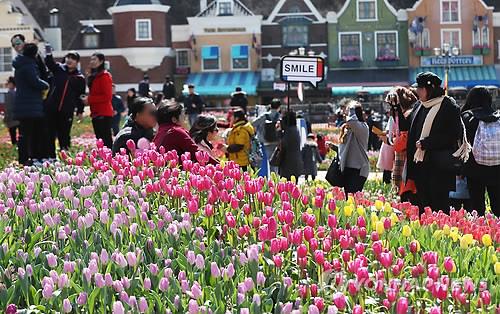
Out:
{"x": 241, "y": 134}
{"x": 29, "y": 87}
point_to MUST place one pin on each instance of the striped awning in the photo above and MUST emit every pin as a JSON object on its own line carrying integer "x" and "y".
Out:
{"x": 465, "y": 76}
{"x": 224, "y": 83}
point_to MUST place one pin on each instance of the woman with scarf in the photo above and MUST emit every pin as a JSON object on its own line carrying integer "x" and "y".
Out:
{"x": 436, "y": 144}
{"x": 100, "y": 85}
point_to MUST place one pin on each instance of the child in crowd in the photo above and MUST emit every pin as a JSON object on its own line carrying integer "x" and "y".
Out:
{"x": 460, "y": 198}
{"x": 311, "y": 157}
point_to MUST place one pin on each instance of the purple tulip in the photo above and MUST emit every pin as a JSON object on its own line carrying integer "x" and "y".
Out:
{"x": 163, "y": 285}
{"x": 118, "y": 308}
{"x": 143, "y": 305}
{"x": 67, "y": 308}
{"x": 82, "y": 298}
{"x": 214, "y": 270}
{"x": 52, "y": 260}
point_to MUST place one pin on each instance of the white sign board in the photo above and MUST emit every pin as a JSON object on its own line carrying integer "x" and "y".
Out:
{"x": 305, "y": 69}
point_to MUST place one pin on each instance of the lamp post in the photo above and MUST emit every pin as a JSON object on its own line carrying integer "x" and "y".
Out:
{"x": 447, "y": 52}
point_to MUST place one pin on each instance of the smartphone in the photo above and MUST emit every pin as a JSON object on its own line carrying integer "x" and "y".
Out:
{"x": 48, "y": 49}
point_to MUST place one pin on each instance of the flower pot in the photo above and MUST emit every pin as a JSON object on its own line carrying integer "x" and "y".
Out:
{"x": 419, "y": 52}
{"x": 486, "y": 51}
{"x": 426, "y": 52}
{"x": 476, "y": 51}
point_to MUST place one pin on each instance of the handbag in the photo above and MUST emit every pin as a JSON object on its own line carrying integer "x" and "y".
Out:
{"x": 275, "y": 160}
{"x": 334, "y": 174}
{"x": 445, "y": 161}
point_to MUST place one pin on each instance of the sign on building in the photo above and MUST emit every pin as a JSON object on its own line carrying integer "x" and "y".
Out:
{"x": 305, "y": 69}
{"x": 454, "y": 61}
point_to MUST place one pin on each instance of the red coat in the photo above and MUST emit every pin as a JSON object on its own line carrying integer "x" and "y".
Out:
{"x": 100, "y": 95}
{"x": 174, "y": 137}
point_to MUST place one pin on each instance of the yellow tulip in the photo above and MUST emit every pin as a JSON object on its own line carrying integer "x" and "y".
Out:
{"x": 446, "y": 229}
{"x": 293, "y": 179}
{"x": 350, "y": 200}
{"x": 378, "y": 204}
{"x": 494, "y": 258}
{"x": 437, "y": 234}
{"x": 394, "y": 219}
{"x": 406, "y": 231}
{"x": 486, "y": 239}
{"x": 309, "y": 210}
{"x": 361, "y": 210}
{"x": 379, "y": 227}
{"x": 454, "y": 270}
{"x": 454, "y": 236}
{"x": 497, "y": 268}
{"x": 329, "y": 195}
{"x": 374, "y": 218}
{"x": 469, "y": 238}
{"x": 348, "y": 210}
{"x": 387, "y": 207}
{"x": 415, "y": 224}
{"x": 464, "y": 244}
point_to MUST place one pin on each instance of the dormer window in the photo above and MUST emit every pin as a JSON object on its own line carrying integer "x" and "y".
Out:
{"x": 91, "y": 36}
{"x": 143, "y": 29}
{"x": 367, "y": 10}
{"x": 225, "y": 8}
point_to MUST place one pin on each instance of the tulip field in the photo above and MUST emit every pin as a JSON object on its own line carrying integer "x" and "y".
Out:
{"x": 95, "y": 233}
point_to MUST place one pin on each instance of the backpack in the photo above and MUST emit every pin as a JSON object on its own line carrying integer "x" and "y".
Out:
{"x": 486, "y": 148}
{"x": 271, "y": 134}
{"x": 255, "y": 154}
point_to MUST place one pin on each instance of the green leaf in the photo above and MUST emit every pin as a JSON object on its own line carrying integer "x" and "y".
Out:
{"x": 91, "y": 300}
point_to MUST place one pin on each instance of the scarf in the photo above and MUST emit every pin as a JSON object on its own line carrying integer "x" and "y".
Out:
{"x": 464, "y": 147}
{"x": 434, "y": 105}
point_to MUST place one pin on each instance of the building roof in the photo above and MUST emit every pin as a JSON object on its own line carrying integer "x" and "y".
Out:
{"x": 239, "y": 9}
{"x": 136, "y": 2}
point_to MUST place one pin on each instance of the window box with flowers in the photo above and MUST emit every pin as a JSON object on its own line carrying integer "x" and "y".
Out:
{"x": 478, "y": 50}
{"x": 384, "y": 61}
{"x": 350, "y": 59}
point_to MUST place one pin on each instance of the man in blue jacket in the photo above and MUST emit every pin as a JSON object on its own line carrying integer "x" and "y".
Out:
{"x": 28, "y": 106}
{"x": 65, "y": 96}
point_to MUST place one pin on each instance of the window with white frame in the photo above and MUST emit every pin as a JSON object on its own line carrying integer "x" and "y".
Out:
{"x": 295, "y": 35}
{"x": 451, "y": 37}
{"x": 425, "y": 38}
{"x": 143, "y": 29}
{"x": 367, "y": 10}
{"x": 210, "y": 56}
{"x": 350, "y": 46}
{"x": 225, "y": 7}
{"x": 239, "y": 57}
{"x": 476, "y": 37}
{"x": 182, "y": 58}
{"x": 387, "y": 45}
{"x": 5, "y": 59}
{"x": 450, "y": 11}
{"x": 485, "y": 36}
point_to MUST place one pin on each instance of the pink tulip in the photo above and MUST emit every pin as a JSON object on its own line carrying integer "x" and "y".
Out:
{"x": 302, "y": 251}
{"x": 131, "y": 259}
{"x": 47, "y": 291}
{"x": 402, "y": 306}
{"x": 386, "y": 259}
{"x": 99, "y": 280}
{"x": 352, "y": 287}
{"x": 11, "y": 309}
{"x": 448, "y": 264}
{"x": 435, "y": 310}
{"x": 147, "y": 284}
{"x": 357, "y": 309}
{"x": 193, "y": 307}
{"x": 319, "y": 257}
{"x": 214, "y": 270}
{"x": 485, "y": 297}
{"x": 340, "y": 300}
{"x": 313, "y": 309}
{"x": 196, "y": 290}
{"x": 278, "y": 260}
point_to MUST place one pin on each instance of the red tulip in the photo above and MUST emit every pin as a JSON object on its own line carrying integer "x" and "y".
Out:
{"x": 486, "y": 297}
{"x": 320, "y": 304}
{"x": 386, "y": 259}
{"x": 314, "y": 290}
{"x": 278, "y": 260}
{"x": 319, "y": 257}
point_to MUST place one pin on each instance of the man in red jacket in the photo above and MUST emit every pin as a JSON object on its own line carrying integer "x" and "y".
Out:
{"x": 100, "y": 85}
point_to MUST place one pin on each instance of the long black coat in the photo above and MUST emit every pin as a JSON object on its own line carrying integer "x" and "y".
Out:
{"x": 444, "y": 136}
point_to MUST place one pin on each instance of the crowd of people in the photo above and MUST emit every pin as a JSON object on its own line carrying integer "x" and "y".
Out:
{"x": 440, "y": 155}
{"x": 434, "y": 152}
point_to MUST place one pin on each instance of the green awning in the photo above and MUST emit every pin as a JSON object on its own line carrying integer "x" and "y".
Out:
{"x": 353, "y": 90}
{"x": 224, "y": 83}
{"x": 345, "y": 90}
{"x": 467, "y": 76}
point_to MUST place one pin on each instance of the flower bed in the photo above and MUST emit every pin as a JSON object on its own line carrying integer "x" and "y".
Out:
{"x": 98, "y": 234}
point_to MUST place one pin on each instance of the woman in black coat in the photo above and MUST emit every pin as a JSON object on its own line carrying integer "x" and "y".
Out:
{"x": 291, "y": 156}
{"x": 480, "y": 178}
{"x": 435, "y": 132}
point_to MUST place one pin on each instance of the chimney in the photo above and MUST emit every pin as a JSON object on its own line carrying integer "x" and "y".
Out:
{"x": 53, "y": 33}
{"x": 203, "y": 5}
